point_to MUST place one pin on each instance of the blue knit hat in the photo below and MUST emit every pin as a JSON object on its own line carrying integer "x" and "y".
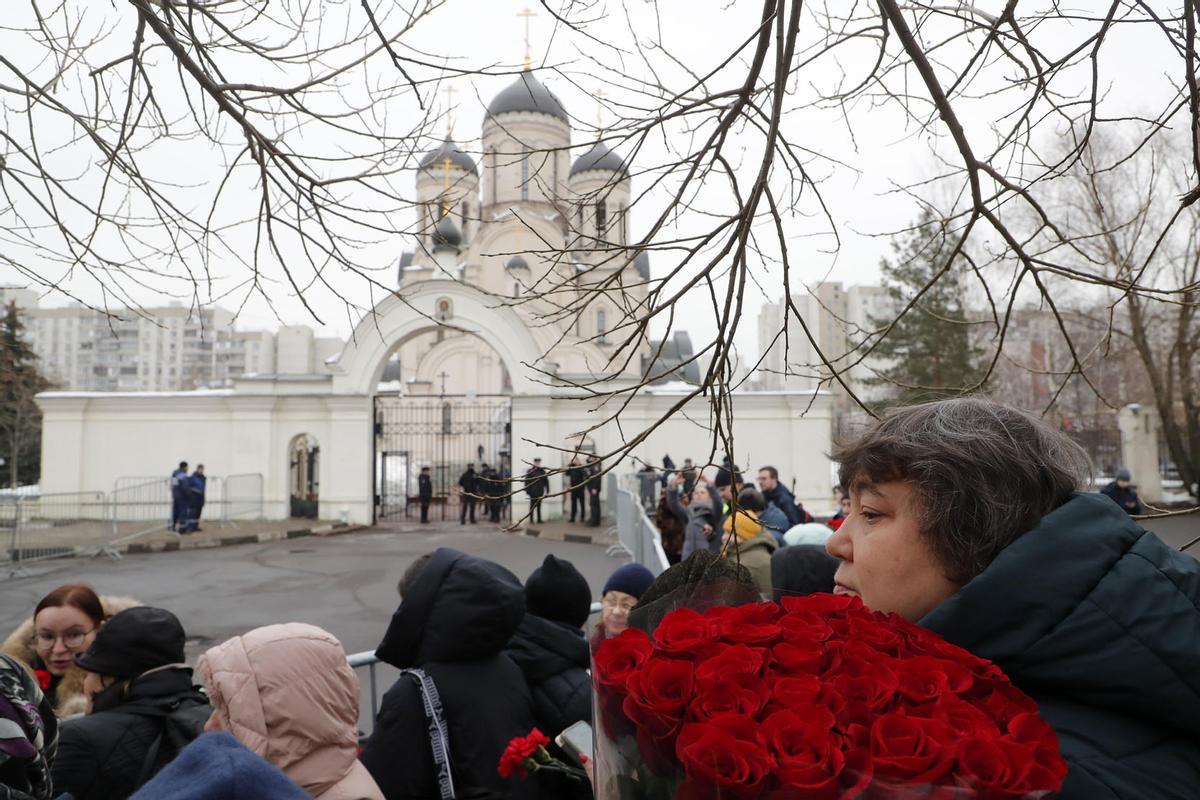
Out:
{"x": 632, "y": 579}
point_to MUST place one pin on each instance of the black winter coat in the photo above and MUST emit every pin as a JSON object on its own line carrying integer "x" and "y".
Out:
{"x": 453, "y": 624}
{"x": 801, "y": 570}
{"x": 537, "y": 483}
{"x": 101, "y": 756}
{"x": 1126, "y": 497}
{"x": 554, "y": 658}
{"x": 1099, "y": 621}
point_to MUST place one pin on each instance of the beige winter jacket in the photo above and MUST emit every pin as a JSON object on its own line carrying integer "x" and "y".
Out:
{"x": 755, "y": 555}
{"x": 287, "y": 693}
{"x": 70, "y": 699}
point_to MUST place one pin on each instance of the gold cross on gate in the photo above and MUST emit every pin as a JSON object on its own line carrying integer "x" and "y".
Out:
{"x": 450, "y": 92}
{"x": 446, "y": 164}
{"x": 528, "y": 15}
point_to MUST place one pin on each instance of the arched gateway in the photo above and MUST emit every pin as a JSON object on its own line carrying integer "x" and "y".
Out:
{"x": 421, "y": 424}
{"x": 399, "y": 318}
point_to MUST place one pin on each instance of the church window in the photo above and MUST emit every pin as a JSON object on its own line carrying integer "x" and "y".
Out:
{"x": 600, "y": 326}
{"x": 443, "y": 310}
{"x": 524, "y": 172}
{"x": 601, "y": 219}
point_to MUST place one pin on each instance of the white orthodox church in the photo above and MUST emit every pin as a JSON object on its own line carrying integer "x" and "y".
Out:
{"x": 505, "y": 308}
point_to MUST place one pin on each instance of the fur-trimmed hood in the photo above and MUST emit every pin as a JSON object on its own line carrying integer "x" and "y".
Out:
{"x": 70, "y": 698}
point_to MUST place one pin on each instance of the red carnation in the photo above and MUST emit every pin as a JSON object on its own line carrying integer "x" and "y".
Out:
{"x": 519, "y": 756}
{"x": 44, "y": 678}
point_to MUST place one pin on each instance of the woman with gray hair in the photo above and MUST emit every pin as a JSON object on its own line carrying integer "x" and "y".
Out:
{"x": 966, "y": 517}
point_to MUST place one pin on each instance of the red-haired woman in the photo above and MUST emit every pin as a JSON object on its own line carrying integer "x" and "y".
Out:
{"x": 64, "y": 623}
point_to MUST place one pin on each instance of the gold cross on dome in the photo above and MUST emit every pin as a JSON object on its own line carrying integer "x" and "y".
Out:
{"x": 446, "y": 164}
{"x": 600, "y": 113}
{"x": 450, "y": 92}
{"x": 528, "y": 15}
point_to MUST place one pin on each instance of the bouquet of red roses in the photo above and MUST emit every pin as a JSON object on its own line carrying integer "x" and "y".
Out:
{"x": 815, "y": 698}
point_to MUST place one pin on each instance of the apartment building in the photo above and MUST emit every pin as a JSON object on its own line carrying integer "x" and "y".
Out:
{"x": 170, "y": 348}
{"x": 840, "y": 322}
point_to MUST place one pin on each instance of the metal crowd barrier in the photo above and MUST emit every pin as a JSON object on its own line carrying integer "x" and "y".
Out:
{"x": 637, "y": 536}
{"x": 41, "y": 526}
{"x": 241, "y": 497}
{"x": 36, "y": 526}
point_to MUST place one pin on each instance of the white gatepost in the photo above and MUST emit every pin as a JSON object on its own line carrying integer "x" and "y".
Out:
{"x": 1139, "y": 450}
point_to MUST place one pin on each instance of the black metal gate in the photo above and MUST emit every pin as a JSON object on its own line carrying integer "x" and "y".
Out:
{"x": 444, "y": 433}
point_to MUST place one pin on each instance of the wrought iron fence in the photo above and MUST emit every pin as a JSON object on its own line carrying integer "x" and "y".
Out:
{"x": 444, "y": 433}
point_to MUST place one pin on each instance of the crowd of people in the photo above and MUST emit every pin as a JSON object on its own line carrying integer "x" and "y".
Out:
{"x": 763, "y": 528}
{"x": 108, "y": 708}
{"x": 965, "y": 517}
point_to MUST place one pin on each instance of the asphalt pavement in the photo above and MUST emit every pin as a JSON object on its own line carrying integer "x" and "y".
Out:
{"x": 1176, "y": 531}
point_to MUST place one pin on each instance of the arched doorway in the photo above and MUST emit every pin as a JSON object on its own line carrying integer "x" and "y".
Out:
{"x": 445, "y": 421}
{"x": 304, "y": 476}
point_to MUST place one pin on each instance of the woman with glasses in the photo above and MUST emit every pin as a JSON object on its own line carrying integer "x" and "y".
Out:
{"x": 620, "y": 595}
{"x": 64, "y": 623}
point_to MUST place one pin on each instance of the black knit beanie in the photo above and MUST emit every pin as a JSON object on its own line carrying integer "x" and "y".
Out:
{"x": 557, "y": 591}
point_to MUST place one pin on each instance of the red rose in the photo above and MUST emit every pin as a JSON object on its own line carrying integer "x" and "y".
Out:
{"x": 1006, "y": 701}
{"x": 924, "y": 679}
{"x": 964, "y": 718}
{"x": 875, "y": 633}
{"x": 721, "y": 759}
{"x": 909, "y": 749}
{"x": 685, "y": 633}
{"x": 44, "y": 678}
{"x": 518, "y": 757}
{"x": 823, "y": 604}
{"x": 798, "y": 658}
{"x": 736, "y": 661}
{"x": 999, "y": 768}
{"x": 658, "y": 694}
{"x": 870, "y": 683}
{"x": 809, "y": 753}
{"x": 746, "y": 696}
{"x": 796, "y": 690}
{"x": 1034, "y": 732}
{"x": 619, "y": 657}
{"x": 804, "y": 626}
{"x": 753, "y": 623}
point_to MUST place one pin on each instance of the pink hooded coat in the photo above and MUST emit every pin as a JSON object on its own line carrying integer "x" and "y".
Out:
{"x": 287, "y": 693}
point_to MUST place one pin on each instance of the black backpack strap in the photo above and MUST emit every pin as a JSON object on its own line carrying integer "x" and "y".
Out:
{"x": 152, "y": 754}
{"x": 439, "y": 734}
{"x": 162, "y": 713}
